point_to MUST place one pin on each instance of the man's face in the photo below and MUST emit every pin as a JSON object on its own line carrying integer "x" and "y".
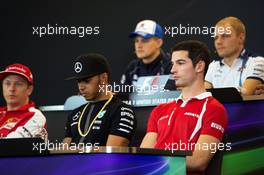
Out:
{"x": 16, "y": 90}
{"x": 147, "y": 48}
{"x": 228, "y": 43}
{"x": 89, "y": 87}
{"x": 182, "y": 69}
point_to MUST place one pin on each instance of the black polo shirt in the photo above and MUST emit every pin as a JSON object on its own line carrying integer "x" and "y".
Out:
{"x": 116, "y": 119}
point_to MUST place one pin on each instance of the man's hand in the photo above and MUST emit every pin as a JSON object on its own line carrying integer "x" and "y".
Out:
{"x": 259, "y": 89}
{"x": 149, "y": 140}
{"x": 201, "y": 157}
{"x": 114, "y": 140}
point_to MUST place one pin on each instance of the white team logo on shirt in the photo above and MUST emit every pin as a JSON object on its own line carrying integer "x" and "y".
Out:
{"x": 101, "y": 114}
{"x": 192, "y": 114}
{"x": 217, "y": 126}
{"x": 76, "y": 116}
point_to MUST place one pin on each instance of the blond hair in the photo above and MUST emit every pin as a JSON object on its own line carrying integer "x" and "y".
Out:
{"x": 235, "y": 23}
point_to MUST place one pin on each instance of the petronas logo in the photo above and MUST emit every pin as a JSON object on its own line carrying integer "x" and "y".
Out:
{"x": 101, "y": 114}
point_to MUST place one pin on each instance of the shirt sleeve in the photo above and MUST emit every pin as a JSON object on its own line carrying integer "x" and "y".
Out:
{"x": 215, "y": 123}
{"x": 256, "y": 69}
{"x": 124, "y": 123}
{"x": 153, "y": 120}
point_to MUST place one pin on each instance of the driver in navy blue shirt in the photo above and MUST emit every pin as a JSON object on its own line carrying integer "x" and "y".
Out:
{"x": 151, "y": 60}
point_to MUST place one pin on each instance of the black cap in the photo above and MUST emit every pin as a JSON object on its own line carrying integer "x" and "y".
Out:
{"x": 89, "y": 65}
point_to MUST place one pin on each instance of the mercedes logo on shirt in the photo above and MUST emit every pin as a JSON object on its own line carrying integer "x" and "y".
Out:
{"x": 78, "y": 67}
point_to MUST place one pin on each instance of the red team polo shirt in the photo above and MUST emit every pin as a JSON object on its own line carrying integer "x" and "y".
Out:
{"x": 27, "y": 121}
{"x": 182, "y": 121}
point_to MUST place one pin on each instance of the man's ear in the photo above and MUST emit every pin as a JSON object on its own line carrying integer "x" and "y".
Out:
{"x": 159, "y": 42}
{"x": 242, "y": 37}
{"x": 104, "y": 78}
{"x": 30, "y": 89}
{"x": 200, "y": 66}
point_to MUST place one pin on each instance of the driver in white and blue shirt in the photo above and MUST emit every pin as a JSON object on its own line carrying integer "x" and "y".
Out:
{"x": 236, "y": 67}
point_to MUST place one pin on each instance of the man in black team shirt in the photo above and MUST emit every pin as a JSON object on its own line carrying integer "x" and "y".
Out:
{"x": 151, "y": 60}
{"x": 105, "y": 120}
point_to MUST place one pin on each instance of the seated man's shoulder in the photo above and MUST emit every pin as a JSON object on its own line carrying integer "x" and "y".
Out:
{"x": 77, "y": 111}
{"x": 133, "y": 63}
{"x": 256, "y": 59}
{"x": 37, "y": 117}
{"x": 79, "y": 108}
{"x": 123, "y": 106}
{"x": 215, "y": 63}
{"x": 166, "y": 56}
{"x": 37, "y": 113}
{"x": 255, "y": 67}
{"x": 214, "y": 105}
{"x": 165, "y": 106}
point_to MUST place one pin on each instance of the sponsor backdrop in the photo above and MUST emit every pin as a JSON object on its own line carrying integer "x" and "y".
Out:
{"x": 48, "y": 35}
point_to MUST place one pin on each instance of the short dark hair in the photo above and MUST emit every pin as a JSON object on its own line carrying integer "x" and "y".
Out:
{"x": 197, "y": 51}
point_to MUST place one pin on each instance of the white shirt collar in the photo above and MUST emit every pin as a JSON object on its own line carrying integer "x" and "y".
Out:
{"x": 198, "y": 97}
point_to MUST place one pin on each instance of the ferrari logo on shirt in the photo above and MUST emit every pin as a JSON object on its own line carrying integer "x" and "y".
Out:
{"x": 101, "y": 114}
{"x": 10, "y": 120}
{"x": 10, "y": 123}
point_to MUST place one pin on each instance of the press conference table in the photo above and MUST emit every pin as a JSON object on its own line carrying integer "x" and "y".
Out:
{"x": 95, "y": 161}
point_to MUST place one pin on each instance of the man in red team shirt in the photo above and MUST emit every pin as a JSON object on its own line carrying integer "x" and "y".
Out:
{"x": 193, "y": 120}
{"x": 19, "y": 118}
